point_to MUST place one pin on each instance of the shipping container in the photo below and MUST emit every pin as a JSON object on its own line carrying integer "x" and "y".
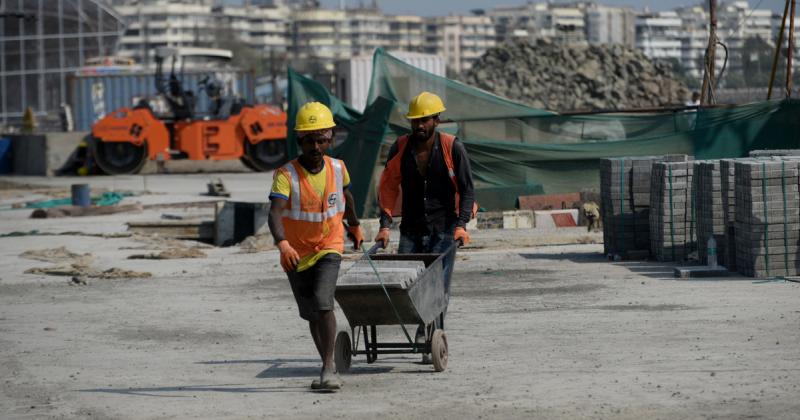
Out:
{"x": 94, "y": 96}
{"x": 353, "y": 75}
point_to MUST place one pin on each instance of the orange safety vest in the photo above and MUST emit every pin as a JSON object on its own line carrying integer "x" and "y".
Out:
{"x": 313, "y": 223}
{"x": 390, "y": 196}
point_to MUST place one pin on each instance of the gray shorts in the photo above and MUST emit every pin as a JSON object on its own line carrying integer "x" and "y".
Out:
{"x": 314, "y": 288}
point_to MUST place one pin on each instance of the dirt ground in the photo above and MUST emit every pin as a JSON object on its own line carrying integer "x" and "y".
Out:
{"x": 534, "y": 331}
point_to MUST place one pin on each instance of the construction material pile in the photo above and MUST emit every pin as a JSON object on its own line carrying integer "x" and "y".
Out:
{"x": 672, "y": 225}
{"x": 767, "y": 217}
{"x": 727, "y": 182}
{"x": 709, "y": 212}
{"x": 576, "y": 77}
{"x": 398, "y": 274}
{"x": 625, "y": 204}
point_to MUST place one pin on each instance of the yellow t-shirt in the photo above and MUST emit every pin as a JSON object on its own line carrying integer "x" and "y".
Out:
{"x": 282, "y": 188}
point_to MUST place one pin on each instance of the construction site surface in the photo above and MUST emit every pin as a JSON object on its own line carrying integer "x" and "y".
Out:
{"x": 114, "y": 316}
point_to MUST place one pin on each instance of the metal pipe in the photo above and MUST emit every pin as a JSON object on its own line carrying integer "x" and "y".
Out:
{"x": 777, "y": 50}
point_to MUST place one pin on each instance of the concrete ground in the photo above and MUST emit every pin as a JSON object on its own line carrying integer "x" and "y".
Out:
{"x": 534, "y": 331}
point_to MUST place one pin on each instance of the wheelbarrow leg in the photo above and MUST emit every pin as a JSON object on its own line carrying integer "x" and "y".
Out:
{"x": 374, "y": 332}
{"x": 367, "y": 347}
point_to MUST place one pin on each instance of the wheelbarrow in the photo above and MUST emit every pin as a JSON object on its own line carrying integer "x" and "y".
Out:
{"x": 393, "y": 289}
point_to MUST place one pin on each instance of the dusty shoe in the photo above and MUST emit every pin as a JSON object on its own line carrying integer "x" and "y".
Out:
{"x": 426, "y": 359}
{"x": 330, "y": 382}
{"x": 316, "y": 384}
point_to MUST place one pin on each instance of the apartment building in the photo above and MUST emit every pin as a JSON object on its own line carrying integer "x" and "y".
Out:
{"x": 151, "y": 24}
{"x": 658, "y": 35}
{"x": 460, "y": 39}
{"x": 610, "y": 25}
{"x": 265, "y": 28}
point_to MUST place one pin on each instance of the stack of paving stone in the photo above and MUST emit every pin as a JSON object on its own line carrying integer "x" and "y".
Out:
{"x": 625, "y": 204}
{"x": 767, "y": 217}
{"x": 728, "y": 198}
{"x": 619, "y": 222}
{"x": 774, "y": 152}
{"x": 709, "y": 212}
{"x": 672, "y": 227}
{"x": 399, "y": 274}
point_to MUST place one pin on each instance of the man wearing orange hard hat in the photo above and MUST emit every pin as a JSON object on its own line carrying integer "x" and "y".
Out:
{"x": 427, "y": 180}
{"x": 309, "y": 200}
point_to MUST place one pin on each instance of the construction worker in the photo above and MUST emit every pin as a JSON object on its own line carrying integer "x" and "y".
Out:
{"x": 427, "y": 179}
{"x": 309, "y": 199}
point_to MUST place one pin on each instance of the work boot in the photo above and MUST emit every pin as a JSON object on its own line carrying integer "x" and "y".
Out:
{"x": 329, "y": 381}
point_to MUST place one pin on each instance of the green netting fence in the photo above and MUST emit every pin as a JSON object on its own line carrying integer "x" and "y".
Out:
{"x": 518, "y": 150}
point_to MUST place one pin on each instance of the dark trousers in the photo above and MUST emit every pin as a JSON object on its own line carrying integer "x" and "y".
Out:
{"x": 431, "y": 243}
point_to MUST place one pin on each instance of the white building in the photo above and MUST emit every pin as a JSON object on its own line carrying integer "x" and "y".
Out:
{"x": 659, "y": 34}
{"x": 610, "y": 25}
{"x": 460, "y": 39}
{"x": 406, "y": 33}
{"x": 164, "y": 23}
{"x": 320, "y": 34}
{"x": 263, "y": 28}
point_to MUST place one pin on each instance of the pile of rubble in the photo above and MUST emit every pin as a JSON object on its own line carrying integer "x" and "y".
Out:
{"x": 576, "y": 77}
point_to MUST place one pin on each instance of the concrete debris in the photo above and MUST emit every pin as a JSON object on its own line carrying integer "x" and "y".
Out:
{"x": 54, "y": 255}
{"x": 256, "y": 243}
{"x": 217, "y": 189}
{"x": 575, "y": 77}
{"x": 83, "y": 271}
{"x": 77, "y": 211}
{"x": 170, "y": 254}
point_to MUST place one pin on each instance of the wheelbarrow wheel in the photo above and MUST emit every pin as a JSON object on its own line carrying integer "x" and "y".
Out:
{"x": 439, "y": 350}
{"x": 342, "y": 352}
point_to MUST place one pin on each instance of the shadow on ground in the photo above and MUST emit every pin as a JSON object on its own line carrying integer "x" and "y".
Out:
{"x": 188, "y": 390}
{"x": 578, "y": 257}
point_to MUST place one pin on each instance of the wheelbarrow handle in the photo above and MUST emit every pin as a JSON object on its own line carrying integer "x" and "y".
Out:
{"x": 374, "y": 249}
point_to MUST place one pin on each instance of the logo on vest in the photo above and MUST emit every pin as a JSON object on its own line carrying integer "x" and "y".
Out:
{"x": 332, "y": 200}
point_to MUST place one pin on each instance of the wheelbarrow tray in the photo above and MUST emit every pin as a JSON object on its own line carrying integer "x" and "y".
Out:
{"x": 421, "y": 301}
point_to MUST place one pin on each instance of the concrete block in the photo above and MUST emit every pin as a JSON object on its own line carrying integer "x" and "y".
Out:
{"x": 234, "y": 221}
{"x": 523, "y": 219}
{"x": 544, "y": 218}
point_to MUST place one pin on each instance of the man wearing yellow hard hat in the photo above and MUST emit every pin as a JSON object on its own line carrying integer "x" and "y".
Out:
{"x": 427, "y": 180}
{"x": 309, "y": 200}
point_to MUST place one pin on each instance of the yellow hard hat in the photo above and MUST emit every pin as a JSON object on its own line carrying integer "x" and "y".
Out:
{"x": 314, "y": 116}
{"x": 424, "y": 105}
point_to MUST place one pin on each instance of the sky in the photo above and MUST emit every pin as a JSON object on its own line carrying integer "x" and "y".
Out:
{"x": 441, "y": 8}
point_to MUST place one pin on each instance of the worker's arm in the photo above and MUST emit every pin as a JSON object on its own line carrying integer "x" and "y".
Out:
{"x": 274, "y": 220}
{"x": 289, "y": 257}
{"x": 466, "y": 190}
{"x": 385, "y": 219}
{"x": 350, "y": 208}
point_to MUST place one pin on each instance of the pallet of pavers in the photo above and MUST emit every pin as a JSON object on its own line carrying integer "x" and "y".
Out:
{"x": 774, "y": 152}
{"x": 625, "y": 204}
{"x": 727, "y": 187}
{"x": 709, "y": 212}
{"x": 767, "y": 217}
{"x": 672, "y": 226}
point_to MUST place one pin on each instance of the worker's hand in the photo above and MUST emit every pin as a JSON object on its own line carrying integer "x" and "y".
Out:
{"x": 356, "y": 235}
{"x": 289, "y": 257}
{"x": 383, "y": 236}
{"x": 461, "y": 234}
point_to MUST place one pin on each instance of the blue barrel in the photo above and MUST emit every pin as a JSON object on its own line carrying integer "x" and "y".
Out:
{"x": 5, "y": 155}
{"x": 81, "y": 195}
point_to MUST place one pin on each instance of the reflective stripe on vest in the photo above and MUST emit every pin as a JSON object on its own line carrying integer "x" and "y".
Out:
{"x": 296, "y": 213}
